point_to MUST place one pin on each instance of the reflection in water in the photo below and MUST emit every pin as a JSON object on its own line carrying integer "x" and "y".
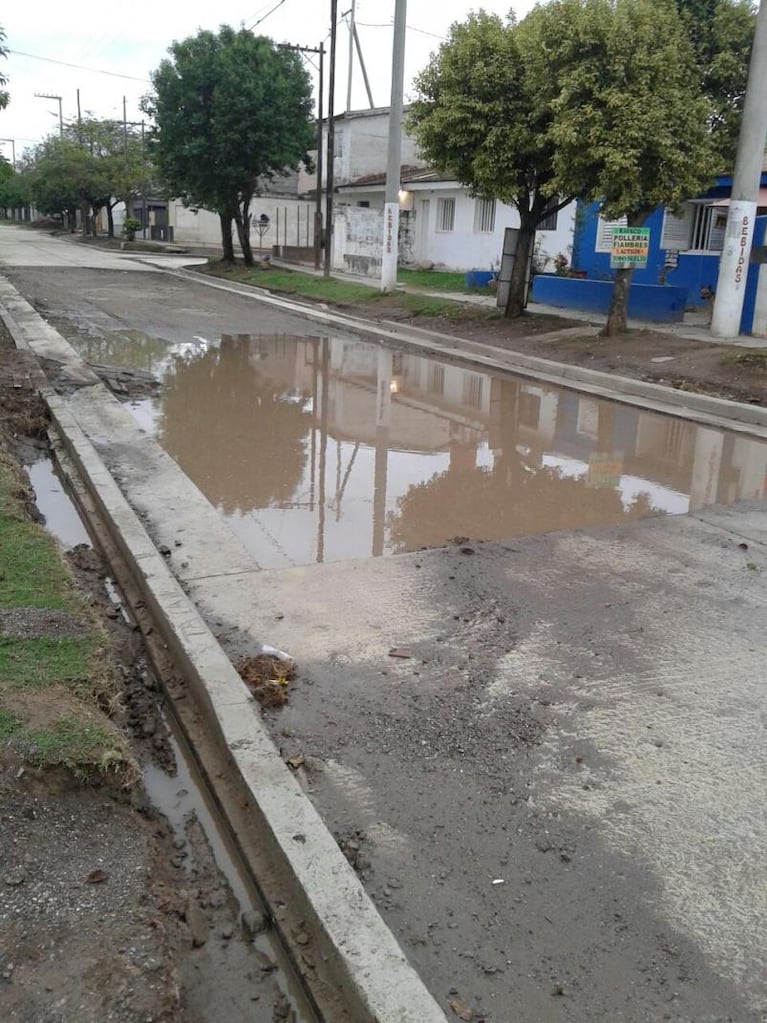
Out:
{"x": 325, "y": 449}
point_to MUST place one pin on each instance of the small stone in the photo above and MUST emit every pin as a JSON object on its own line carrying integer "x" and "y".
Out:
{"x": 164, "y": 550}
{"x": 302, "y": 938}
{"x": 227, "y": 931}
{"x": 15, "y": 878}
{"x": 198, "y": 923}
{"x": 253, "y": 923}
{"x": 149, "y": 727}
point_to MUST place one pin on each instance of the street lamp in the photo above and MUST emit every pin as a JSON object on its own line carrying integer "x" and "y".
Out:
{"x": 47, "y": 95}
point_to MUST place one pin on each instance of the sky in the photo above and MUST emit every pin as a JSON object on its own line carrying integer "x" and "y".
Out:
{"x": 131, "y": 41}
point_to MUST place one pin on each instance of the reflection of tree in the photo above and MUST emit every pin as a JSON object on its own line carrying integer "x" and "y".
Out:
{"x": 512, "y": 499}
{"x": 128, "y": 348}
{"x": 239, "y": 435}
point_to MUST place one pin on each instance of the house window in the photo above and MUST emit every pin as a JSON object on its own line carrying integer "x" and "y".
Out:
{"x": 445, "y": 214}
{"x": 529, "y": 409}
{"x": 484, "y": 216}
{"x": 364, "y": 203}
{"x": 549, "y": 222}
{"x": 676, "y": 230}
{"x": 605, "y": 230}
{"x": 472, "y": 390}
{"x": 708, "y": 225}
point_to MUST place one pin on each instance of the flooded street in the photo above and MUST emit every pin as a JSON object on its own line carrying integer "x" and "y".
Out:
{"x": 548, "y": 757}
{"x": 318, "y": 449}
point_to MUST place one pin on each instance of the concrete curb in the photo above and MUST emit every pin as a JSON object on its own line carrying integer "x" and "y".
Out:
{"x": 721, "y": 413}
{"x": 377, "y": 980}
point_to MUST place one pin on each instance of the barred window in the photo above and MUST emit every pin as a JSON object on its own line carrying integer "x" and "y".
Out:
{"x": 445, "y": 214}
{"x": 472, "y": 390}
{"x": 549, "y": 222}
{"x": 484, "y": 216}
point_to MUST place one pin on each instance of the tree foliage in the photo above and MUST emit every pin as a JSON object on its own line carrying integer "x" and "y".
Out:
{"x": 4, "y": 94}
{"x": 630, "y": 123}
{"x": 230, "y": 109}
{"x": 93, "y": 165}
{"x": 481, "y": 116}
{"x": 722, "y": 33}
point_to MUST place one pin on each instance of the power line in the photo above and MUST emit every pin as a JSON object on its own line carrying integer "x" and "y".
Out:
{"x": 410, "y": 28}
{"x": 81, "y": 67}
{"x": 265, "y": 16}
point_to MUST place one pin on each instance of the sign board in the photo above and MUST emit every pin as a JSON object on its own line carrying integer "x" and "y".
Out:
{"x": 605, "y": 470}
{"x": 630, "y": 246}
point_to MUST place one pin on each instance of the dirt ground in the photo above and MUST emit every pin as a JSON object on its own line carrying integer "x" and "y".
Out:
{"x": 109, "y": 911}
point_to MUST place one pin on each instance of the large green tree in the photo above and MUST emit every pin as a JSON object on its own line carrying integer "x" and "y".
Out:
{"x": 66, "y": 177}
{"x": 230, "y": 109}
{"x": 722, "y": 32}
{"x": 479, "y": 114}
{"x": 630, "y": 124}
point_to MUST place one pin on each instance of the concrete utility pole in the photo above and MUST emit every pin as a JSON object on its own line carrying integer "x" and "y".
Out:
{"x": 331, "y": 141}
{"x": 352, "y": 23}
{"x": 733, "y": 266}
{"x": 47, "y": 95}
{"x": 320, "y": 50}
{"x": 393, "y": 164}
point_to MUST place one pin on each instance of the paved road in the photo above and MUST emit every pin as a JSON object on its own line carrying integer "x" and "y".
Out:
{"x": 561, "y": 790}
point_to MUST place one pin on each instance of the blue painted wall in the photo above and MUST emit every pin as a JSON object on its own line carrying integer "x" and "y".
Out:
{"x": 693, "y": 272}
{"x": 646, "y": 302}
{"x": 749, "y": 302}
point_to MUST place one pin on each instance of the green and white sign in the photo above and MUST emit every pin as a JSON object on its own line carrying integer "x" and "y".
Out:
{"x": 630, "y": 246}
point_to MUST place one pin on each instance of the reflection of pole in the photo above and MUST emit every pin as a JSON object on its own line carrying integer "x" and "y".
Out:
{"x": 338, "y": 481}
{"x": 323, "y": 448}
{"x": 315, "y": 346}
{"x": 383, "y": 419}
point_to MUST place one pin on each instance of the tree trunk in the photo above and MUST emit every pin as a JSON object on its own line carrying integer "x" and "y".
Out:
{"x": 515, "y": 306}
{"x": 619, "y": 300}
{"x": 110, "y": 222}
{"x": 226, "y": 237}
{"x": 242, "y": 220}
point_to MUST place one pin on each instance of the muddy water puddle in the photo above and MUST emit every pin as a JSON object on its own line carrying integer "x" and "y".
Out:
{"x": 323, "y": 449}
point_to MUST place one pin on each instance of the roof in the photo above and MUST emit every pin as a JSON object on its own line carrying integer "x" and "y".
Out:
{"x": 353, "y": 115}
{"x": 408, "y": 176}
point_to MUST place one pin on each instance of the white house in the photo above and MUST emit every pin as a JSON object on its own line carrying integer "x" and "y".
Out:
{"x": 441, "y": 224}
{"x": 361, "y": 142}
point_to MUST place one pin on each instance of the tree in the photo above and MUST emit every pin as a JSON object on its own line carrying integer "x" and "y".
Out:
{"x": 722, "y": 32}
{"x": 65, "y": 175}
{"x": 119, "y": 164}
{"x": 480, "y": 115}
{"x": 229, "y": 109}
{"x": 630, "y": 123}
{"x": 4, "y": 95}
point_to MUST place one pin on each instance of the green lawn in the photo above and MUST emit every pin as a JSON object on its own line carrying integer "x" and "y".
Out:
{"x": 347, "y": 293}
{"x": 53, "y": 688}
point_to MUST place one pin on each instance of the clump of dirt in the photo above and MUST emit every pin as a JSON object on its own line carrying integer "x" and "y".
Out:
{"x": 350, "y": 843}
{"x": 267, "y": 676}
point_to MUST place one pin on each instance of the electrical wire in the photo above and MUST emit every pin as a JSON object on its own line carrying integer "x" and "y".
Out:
{"x": 265, "y": 16}
{"x": 80, "y": 67}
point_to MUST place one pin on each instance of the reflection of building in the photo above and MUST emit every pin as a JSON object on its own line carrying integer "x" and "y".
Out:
{"x": 325, "y": 448}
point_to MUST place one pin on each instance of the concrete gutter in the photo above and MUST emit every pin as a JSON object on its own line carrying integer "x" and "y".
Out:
{"x": 369, "y": 967}
{"x": 720, "y": 413}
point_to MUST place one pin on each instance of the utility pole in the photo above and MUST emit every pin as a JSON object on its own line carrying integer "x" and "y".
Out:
{"x": 318, "y": 194}
{"x": 363, "y": 68}
{"x": 79, "y": 119}
{"x": 738, "y": 238}
{"x": 393, "y": 164}
{"x": 352, "y": 23}
{"x": 48, "y": 95}
{"x": 331, "y": 140}
{"x": 13, "y": 151}
{"x": 125, "y": 132}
